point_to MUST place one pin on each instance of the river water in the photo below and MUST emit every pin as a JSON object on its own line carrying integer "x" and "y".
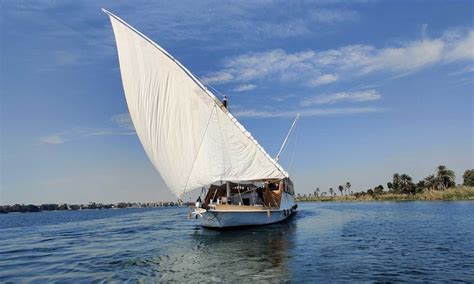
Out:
{"x": 376, "y": 241}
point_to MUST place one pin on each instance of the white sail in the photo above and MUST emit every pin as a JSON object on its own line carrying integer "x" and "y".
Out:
{"x": 190, "y": 138}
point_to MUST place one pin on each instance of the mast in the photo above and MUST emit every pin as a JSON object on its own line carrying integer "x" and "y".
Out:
{"x": 286, "y": 138}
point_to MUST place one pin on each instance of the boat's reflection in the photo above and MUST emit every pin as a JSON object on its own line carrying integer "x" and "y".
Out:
{"x": 260, "y": 252}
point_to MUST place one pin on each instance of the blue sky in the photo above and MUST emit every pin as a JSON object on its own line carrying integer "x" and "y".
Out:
{"x": 382, "y": 87}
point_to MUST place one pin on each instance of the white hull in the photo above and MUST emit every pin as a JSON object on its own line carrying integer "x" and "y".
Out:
{"x": 226, "y": 219}
{"x": 213, "y": 218}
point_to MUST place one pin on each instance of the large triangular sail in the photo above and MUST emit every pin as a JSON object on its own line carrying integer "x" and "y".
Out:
{"x": 191, "y": 139}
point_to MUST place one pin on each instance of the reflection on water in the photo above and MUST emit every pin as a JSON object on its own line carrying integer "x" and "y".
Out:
{"x": 410, "y": 241}
{"x": 258, "y": 253}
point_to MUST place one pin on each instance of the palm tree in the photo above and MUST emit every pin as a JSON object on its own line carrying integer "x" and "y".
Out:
{"x": 341, "y": 188}
{"x": 348, "y": 186}
{"x": 445, "y": 177}
{"x": 316, "y": 192}
{"x": 468, "y": 177}
{"x": 406, "y": 183}
{"x": 331, "y": 191}
{"x": 396, "y": 183}
{"x": 430, "y": 182}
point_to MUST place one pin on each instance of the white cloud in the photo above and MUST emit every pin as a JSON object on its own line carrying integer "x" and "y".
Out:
{"x": 52, "y": 139}
{"x": 361, "y": 96}
{"x": 123, "y": 120}
{"x": 217, "y": 78}
{"x": 282, "y": 98}
{"x": 259, "y": 65}
{"x": 252, "y": 113}
{"x": 410, "y": 57}
{"x": 315, "y": 68}
{"x": 244, "y": 88}
{"x": 179, "y": 20}
{"x": 333, "y": 16}
{"x": 460, "y": 47}
{"x": 62, "y": 42}
{"x": 323, "y": 80}
{"x": 465, "y": 70}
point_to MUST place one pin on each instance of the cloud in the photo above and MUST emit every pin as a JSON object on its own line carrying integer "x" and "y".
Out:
{"x": 282, "y": 98}
{"x": 252, "y": 113}
{"x": 244, "y": 88}
{"x": 123, "y": 120}
{"x": 465, "y": 70}
{"x": 323, "y": 80}
{"x": 85, "y": 37}
{"x": 412, "y": 56}
{"x": 217, "y": 78}
{"x": 52, "y": 139}
{"x": 333, "y": 16}
{"x": 243, "y": 20}
{"x": 316, "y": 68}
{"x": 61, "y": 42}
{"x": 361, "y": 96}
{"x": 81, "y": 133}
{"x": 260, "y": 65}
{"x": 459, "y": 46}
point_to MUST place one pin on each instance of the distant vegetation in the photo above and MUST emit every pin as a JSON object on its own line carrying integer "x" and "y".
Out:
{"x": 56, "y": 207}
{"x": 438, "y": 186}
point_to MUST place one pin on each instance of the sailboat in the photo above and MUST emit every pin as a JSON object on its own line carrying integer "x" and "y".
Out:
{"x": 194, "y": 142}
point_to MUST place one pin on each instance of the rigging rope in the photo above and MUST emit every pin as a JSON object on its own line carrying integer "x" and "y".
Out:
{"x": 214, "y": 89}
{"x": 209, "y": 86}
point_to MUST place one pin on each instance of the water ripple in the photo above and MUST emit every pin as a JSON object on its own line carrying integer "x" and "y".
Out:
{"x": 325, "y": 242}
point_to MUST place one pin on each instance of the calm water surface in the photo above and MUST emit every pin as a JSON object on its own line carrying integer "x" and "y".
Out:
{"x": 391, "y": 241}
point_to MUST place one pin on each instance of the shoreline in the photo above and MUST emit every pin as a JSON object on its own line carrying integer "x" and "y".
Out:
{"x": 462, "y": 193}
{"x": 32, "y": 208}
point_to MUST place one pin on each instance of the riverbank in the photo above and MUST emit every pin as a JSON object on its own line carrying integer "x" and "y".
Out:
{"x": 457, "y": 193}
{"x": 23, "y": 208}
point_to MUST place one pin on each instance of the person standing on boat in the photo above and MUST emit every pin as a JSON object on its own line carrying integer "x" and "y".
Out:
{"x": 224, "y": 101}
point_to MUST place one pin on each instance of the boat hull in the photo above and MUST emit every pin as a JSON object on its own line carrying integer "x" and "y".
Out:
{"x": 228, "y": 219}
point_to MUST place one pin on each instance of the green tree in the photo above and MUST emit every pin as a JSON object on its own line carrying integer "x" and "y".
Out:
{"x": 378, "y": 190}
{"x": 341, "y": 188}
{"x": 430, "y": 182}
{"x": 348, "y": 186}
{"x": 331, "y": 192}
{"x": 420, "y": 186}
{"x": 445, "y": 177}
{"x": 468, "y": 177}
{"x": 396, "y": 183}
{"x": 316, "y": 192}
{"x": 406, "y": 184}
